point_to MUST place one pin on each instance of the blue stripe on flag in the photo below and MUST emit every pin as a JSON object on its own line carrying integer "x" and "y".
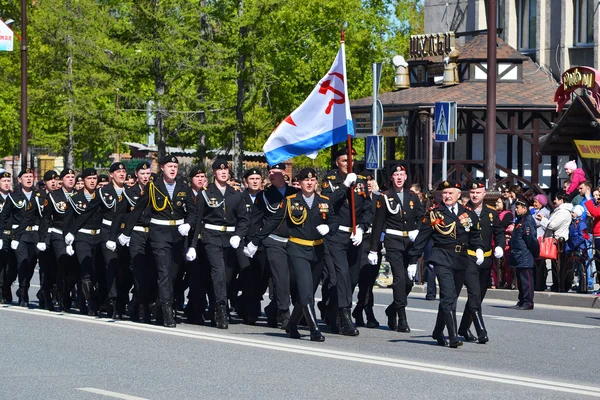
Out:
{"x": 315, "y": 143}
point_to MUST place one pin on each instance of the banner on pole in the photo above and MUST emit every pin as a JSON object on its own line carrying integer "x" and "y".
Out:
{"x": 7, "y": 37}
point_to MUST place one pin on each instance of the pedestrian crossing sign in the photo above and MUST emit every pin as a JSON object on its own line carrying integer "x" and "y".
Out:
{"x": 445, "y": 121}
{"x": 374, "y": 153}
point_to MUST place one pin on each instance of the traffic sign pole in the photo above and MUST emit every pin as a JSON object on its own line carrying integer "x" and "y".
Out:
{"x": 445, "y": 162}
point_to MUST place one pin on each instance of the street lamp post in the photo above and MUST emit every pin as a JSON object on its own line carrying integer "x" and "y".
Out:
{"x": 24, "y": 135}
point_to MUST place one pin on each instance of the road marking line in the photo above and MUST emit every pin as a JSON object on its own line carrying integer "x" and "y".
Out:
{"x": 111, "y": 394}
{"x": 320, "y": 351}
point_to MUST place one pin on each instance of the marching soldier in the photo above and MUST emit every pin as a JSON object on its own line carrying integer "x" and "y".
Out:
{"x": 477, "y": 276}
{"x": 398, "y": 214}
{"x": 309, "y": 217}
{"x": 25, "y": 207}
{"x": 222, "y": 223}
{"x": 172, "y": 212}
{"x": 78, "y": 183}
{"x": 275, "y": 245}
{"x": 454, "y": 230}
{"x": 8, "y": 268}
{"x": 344, "y": 250}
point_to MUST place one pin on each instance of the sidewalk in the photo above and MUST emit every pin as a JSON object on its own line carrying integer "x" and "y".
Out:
{"x": 551, "y": 298}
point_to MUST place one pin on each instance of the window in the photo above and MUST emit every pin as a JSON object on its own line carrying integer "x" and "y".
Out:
{"x": 500, "y": 18}
{"x": 527, "y": 24}
{"x": 584, "y": 22}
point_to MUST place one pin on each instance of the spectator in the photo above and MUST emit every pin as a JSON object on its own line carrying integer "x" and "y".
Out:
{"x": 513, "y": 192}
{"x": 539, "y": 208}
{"x": 579, "y": 241}
{"x": 502, "y": 275}
{"x": 593, "y": 207}
{"x": 557, "y": 226}
{"x": 576, "y": 176}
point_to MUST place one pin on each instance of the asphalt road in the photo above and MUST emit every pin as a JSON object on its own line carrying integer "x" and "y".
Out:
{"x": 548, "y": 353}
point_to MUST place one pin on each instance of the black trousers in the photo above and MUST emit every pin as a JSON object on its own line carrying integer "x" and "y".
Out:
{"x": 199, "y": 279}
{"x": 307, "y": 274}
{"x": 86, "y": 250}
{"x": 223, "y": 262}
{"x": 26, "y": 257}
{"x": 111, "y": 268}
{"x": 142, "y": 265}
{"x": 48, "y": 266}
{"x": 343, "y": 269}
{"x": 477, "y": 278}
{"x": 450, "y": 281}
{"x": 168, "y": 257}
{"x": 401, "y": 284}
{"x": 541, "y": 275}
{"x": 367, "y": 276}
{"x": 276, "y": 253}
{"x": 525, "y": 286}
{"x": 8, "y": 268}
{"x": 66, "y": 267}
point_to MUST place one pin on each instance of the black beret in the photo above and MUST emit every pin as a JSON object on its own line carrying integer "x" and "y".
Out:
{"x": 219, "y": 163}
{"x": 88, "y": 172}
{"x": 103, "y": 178}
{"x": 197, "y": 170}
{"x": 25, "y": 171}
{"x": 5, "y": 174}
{"x": 66, "y": 172}
{"x": 447, "y": 184}
{"x": 79, "y": 178}
{"x": 142, "y": 165}
{"x": 252, "y": 171}
{"x": 523, "y": 201}
{"x": 129, "y": 176}
{"x": 343, "y": 152}
{"x": 295, "y": 179}
{"x": 49, "y": 175}
{"x": 117, "y": 166}
{"x": 306, "y": 173}
{"x": 367, "y": 174}
{"x": 398, "y": 168}
{"x": 41, "y": 185}
{"x": 277, "y": 166}
{"x": 477, "y": 184}
{"x": 168, "y": 159}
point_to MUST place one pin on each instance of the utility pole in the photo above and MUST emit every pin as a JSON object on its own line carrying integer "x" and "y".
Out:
{"x": 238, "y": 145}
{"x": 490, "y": 123}
{"x": 24, "y": 135}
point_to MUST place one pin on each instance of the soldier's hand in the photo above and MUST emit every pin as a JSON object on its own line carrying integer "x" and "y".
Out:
{"x": 111, "y": 245}
{"x": 479, "y": 256}
{"x": 412, "y": 235}
{"x": 1, "y": 244}
{"x": 357, "y": 237}
{"x": 250, "y": 250}
{"x": 373, "y": 257}
{"x": 498, "y": 252}
{"x": 350, "y": 179}
{"x": 323, "y": 229}
{"x": 235, "y": 241}
{"x": 411, "y": 271}
{"x": 70, "y": 250}
{"x": 191, "y": 254}
{"x": 184, "y": 229}
{"x": 123, "y": 240}
{"x": 41, "y": 246}
{"x": 69, "y": 238}
{"x": 14, "y": 244}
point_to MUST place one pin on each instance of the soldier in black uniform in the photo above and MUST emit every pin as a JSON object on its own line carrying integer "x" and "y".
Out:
{"x": 172, "y": 213}
{"x": 343, "y": 252}
{"x": 222, "y": 223}
{"x": 398, "y": 214}
{"x": 102, "y": 181}
{"x": 477, "y": 277}
{"x": 309, "y": 217}
{"x": 275, "y": 245}
{"x": 454, "y": 230}
{"x": 25, "y": 207}
{"x": 8, "y": 267}
{"x": 81, "y": 229}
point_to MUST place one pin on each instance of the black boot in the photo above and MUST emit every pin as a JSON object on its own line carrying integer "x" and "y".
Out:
{"x": 347, "y": 327}
{"x": 88, "y": 292}
{"x": 482, "y": 336}
{"x": 145, "y": 316}
{"x": 323, "y": 310}
{"x": 23, "y": 297}
{"x": 133, "y": 310}
{"x": 358, "y": 316}
{"x": 168, "y": 315}
{"x": 40, "y": 297}
{"x": 311, "y": 320}
{"x": 116, "y": 313}
{"x": 60, "y": 301}
{"x": 292, "y": 326}
{"x": 392, "y": 320}
{"x": 371, "y": 320}
{"x": 463, "y": 328}
{"x": 284, "y": 317}
{"x": 438, "y": 331}
{"x": 402, "y": 323}
{"x": 271, "y": 313}
{"x": 450, "y": 320}
{"x": 221, "y": 318}
{"x": 48, "y": 305}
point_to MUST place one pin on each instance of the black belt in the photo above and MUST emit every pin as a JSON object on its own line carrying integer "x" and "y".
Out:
{"x": 457, "y": 248}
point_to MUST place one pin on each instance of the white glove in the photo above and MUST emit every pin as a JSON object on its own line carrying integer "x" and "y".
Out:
{"x": 373, "y": 257}
{"x": 191, "y": 254}
{"x": 69, "y": 239}
{"x": 112, "y": 246}
{"x": 412, "y": 271}
{"x": 70, "y": 250}
{"x": 14, "y": 244}
{"x": 358, "y": 237}
{"x": 124, "y": 240}
{"x": 498, "y": 252}
{"x": 1, "y": 244}
{"x": 412, "y": 235}
{"x": 250, "y": 250}
{"x": 323, "y": 229}
{"x": 350, "y": 179}
{"x": 41, "y": 246}
{"x": 235, "y": 241}
{"x": 184, "y": 229}
{"x": 479, "y": 255}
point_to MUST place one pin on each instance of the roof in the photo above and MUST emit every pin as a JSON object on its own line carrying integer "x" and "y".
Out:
{"x": 476, "y": 49}
{"x": 535, "y": 91}
{"x": 191, "y": 151}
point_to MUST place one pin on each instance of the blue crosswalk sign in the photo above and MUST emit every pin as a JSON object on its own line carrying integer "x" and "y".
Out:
{"x": 374, "y": 153}
{"x": 445, "y": 121}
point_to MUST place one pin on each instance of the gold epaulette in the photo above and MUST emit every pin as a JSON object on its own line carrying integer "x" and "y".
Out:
{"x": 325, "y": 197}
{"x": 291, "y": 196}
{"x": 331, "y": 177}
{"x": 361, "y": 177}
{"x": 490, "y": 207}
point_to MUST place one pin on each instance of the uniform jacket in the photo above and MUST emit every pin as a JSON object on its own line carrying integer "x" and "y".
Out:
{"x": 132, "y": 195}
{"x": 266, "y": 205}
{"x": 19, "y": 213}
{"x": 524, "y": 247}
{"x": 255, "y": 220}
{"x": 390, "y": 214}
{"x": 82, "y": 214}
{"x": 54, "y": 213}
{"x": 114, "y": 209}
{"x": 492, "y": 231}
{"x": 558, "y": 224}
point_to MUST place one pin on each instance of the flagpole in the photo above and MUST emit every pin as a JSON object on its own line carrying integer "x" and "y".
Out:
{"x": 352, "y": 209}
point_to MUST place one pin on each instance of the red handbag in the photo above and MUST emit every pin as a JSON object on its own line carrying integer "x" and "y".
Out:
{"x": 548, "y": 248}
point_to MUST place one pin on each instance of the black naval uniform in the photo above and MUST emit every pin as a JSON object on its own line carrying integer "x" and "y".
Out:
{"x": 396, "y": 218}
{"x": 344, "y": 259}
{"x": 275, "y": 247}
{"x": 453, "y": 234}
{"x": 8, "y": 263}
{"x": 477, "y": 277}
{"x": 220, "y": 217}
{"x": 305, "y": 249}
{"x": 26, "y": 212}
